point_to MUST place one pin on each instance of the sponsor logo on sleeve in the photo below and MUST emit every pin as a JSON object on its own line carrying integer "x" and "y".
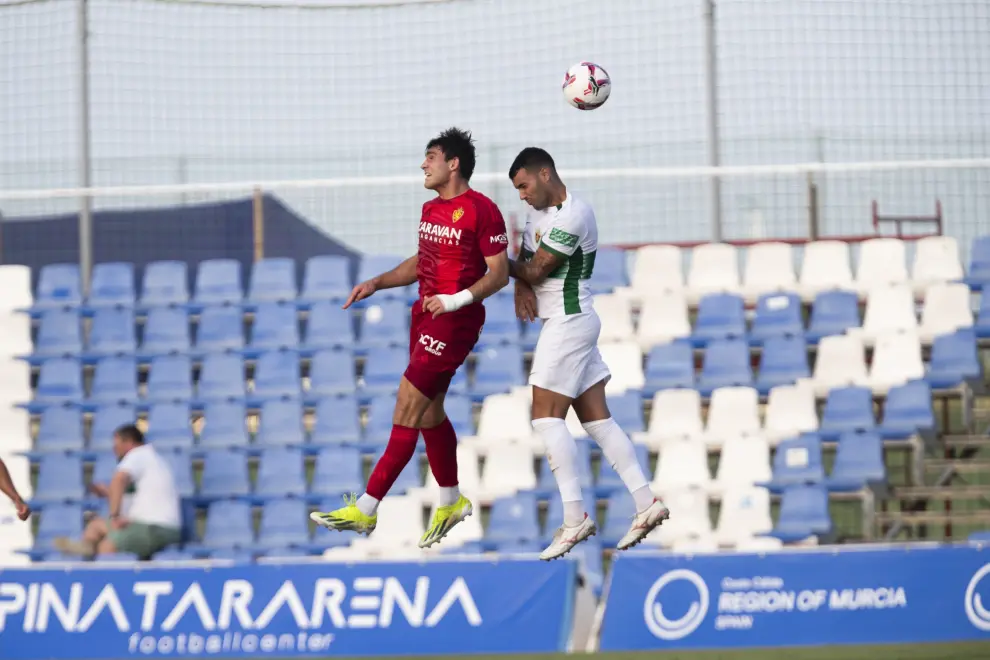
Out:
{"x": 501, "y": 238}
{"x": 561, "y": 237}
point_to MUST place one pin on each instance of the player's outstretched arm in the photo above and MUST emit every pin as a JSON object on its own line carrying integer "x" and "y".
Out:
{"x": 495, "y": 279}
{"x": 8, "y": 489}
{"x": 402, "y": 275}
{"x": 538, "y": 268}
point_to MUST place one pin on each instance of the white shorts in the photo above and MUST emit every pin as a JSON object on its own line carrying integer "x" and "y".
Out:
{"x": 567, "y": 360}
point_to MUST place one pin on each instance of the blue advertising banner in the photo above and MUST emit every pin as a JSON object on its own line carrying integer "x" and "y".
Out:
{"x": 287, "y": 610}
{"x": 903, "y": 594}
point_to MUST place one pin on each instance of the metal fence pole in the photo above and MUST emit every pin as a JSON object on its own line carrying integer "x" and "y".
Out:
{"x": 712, "y": 143}
{"x": 84, "y": 165}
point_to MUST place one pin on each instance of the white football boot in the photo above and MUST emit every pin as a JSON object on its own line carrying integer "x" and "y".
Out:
{"x": 566, "y": 538}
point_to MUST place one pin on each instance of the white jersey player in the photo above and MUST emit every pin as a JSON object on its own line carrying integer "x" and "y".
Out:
{"x": 552, "y": 274}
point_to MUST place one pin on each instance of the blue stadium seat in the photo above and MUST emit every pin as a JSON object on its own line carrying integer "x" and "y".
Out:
{"x": 547, "y": 484}
{"x": 803, "y": 513}
{"x": 275, "y": 327}
{"x": 59, "y": 430}
{"x": 669, "y": 366}
{"x": 382, "y": 371}
{"x": 777, "y": 315}
{"x": 273, "y": 279}
{"x": 337, "y": 421}
{"x": 218, "y": 282}
{"x": 281, "y": 424}
{"x": 459, "y": 411}
{"x": 955, "y": 361}
{"x": 982, "y": 325}
{"x": 379, "y": 423}
{"x": 610, "y": 270}
{"x": 228, "y": 524}
{"x": 627, "y": 410}
{"x": 59, "y": 335}
{"x": 168, "y": 426}
{"x": 174, "y": 554}
{"x": 720, "y": 316}
{"x": 858, "y": 462}
{"x": 59, "y": 286}
{"x": 220, "y": 329}
{"x": 277, "y": 376}
{"x": 498, "y": 369}
{"x": 106, "y": 420}
{"x": 797, "y": 461}
{"x": 609, "y": 482}
{"x": 726, "y": 363}
{"x": 224, "y": 425}
{"x": 234, "y": 555}
{"x": 58, "y": 520}
{"x": 166, "y": 332}
{"x": 112, "y": 333}
{"x": 331, "y": 372}
{"x": 339, "y": 471}
{"x": 978, "y": 276}
{"x": 60, "y": 381}
{"x": 520, "y": 547}
{"x": 619, "y": 514}
{"x": 281, "y": 471}
{"x": 225, "y": 474}
{"x": 181, "y": 465}
{"x": 589, "y": 557}
{"x": 114, "y": 381}
{"x": 501, "y": 325}
{"x": 170, "y": 379}
{"x": 832, "y": 313}
{"x": 326, "y": 277}
{"x": 530, "y": 334}
{"x": 908, "y": 411}
{"x": 104, "y": 468}
{"x": 555, "y": 513}
{"x": 166, "y": 283}
{"x": 112, "y": 286}
{"x": 329, "y": 326}
{"x": 284, "y": 523}
{"x": 411, "y": 476}
{"x": 372, "y": 265}
{"x": 116, "y": 558}
{"x": 385, "y": 323}
{"x": 784, "y": 359}
{"x": 847, "y": 409}
{"x": 60, "y": 478}
{"x": 460, "y": 384}
{"x": 222, "y": 377}
{"x": 468, "y": 548}
{"x": 513, "y": 518}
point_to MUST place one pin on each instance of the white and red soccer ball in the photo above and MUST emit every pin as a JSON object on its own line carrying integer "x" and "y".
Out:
{"x": 586, "y": 86}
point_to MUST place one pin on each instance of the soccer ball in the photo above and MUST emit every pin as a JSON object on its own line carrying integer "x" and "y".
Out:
{"x": 586, "y": 86}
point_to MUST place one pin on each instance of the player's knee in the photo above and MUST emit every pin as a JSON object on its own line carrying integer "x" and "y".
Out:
{"x": 548, "y": 404}
{"x": 410, "y": 405}
{"x": 592, "y": 405}
{"x": 434, "y": 415}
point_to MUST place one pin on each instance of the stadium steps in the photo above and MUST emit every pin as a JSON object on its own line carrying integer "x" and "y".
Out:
{"x": 942, "y": 493}
{"x": 961, "y": 466}
{"x": 965, "y": 442}
{"x": 979, "y": 517}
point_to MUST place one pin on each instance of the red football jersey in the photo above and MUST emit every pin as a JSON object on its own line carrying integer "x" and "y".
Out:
{"x": 455, "y": 236}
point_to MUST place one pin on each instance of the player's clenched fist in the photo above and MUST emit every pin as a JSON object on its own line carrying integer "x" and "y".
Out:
{"x": 360, "y": 292}
{"x": 525, "y": 302}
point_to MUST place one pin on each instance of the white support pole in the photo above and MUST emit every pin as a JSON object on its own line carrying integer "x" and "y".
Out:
{"x": 83, "y": 138}
{"x": 712, "y": 143}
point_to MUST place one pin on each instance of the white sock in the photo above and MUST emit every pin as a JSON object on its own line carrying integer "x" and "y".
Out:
{"x": 368, "y": 505}
{"x": 448, "y": 495}
{"x": 562, "y": 455}
{"x": 621, "y": 454}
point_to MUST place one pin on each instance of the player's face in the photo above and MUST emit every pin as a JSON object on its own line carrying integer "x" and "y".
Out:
{"x": 436, "y": 169}
{"x": 532, "y": 187}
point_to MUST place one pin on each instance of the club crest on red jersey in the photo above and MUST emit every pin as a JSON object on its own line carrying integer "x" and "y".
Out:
{"x": 458, "y": 214}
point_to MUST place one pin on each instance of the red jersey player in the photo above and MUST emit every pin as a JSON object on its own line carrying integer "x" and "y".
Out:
{"x": 461, "y": 261}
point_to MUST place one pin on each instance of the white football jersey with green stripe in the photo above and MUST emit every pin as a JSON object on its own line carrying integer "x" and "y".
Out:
{"x": 569, "y": 231}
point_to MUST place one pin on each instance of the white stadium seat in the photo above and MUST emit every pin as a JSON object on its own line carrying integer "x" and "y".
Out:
{"x": 468, "y": 530}
{"x": 889, "y": 308}
{"x": 695, "y": 545}
{"x": 615, "y": 313}
{"x": 689, "y": 518}
{"x": 15, "y": 429}
{"x": 15, "y": 385}
{"x": 759, "y": 544}
{"x": 896, "y": 360}
{"x": 769, "y": 269}
{"x": 402, "y": 521}
{"x": 841, "y": 361}
{"x": 676, "y": 413}
{"x": 656, "y": 268}
{"x": 509, "y": 468}
{"x": 663, "y": 318}
{"x": 881, "y": 261}
{"x": 15, "y": 287}
{"x": 15, "y": 334}
{"x": 947, "y": 308}
{"x": 683, "y": 463}
{"x": 625, "y": 361}
{"x": 790, "y": 412}
{"x": 733, "y": 410}
{"x": 744, "y": 461}
{"x": 744, "y": 513}
{"x": 714, "y": 269}
{"x": 825, "y": 267}
{"x": 504, "y": 417}
{"x": 468, "y": 475}
{"x": 936, "y": 260}
{"x": 20, "y": 473}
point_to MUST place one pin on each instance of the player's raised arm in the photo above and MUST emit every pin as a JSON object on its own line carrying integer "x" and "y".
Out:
{"x": 7, "y": 488}
{"x": 402, "y": 275}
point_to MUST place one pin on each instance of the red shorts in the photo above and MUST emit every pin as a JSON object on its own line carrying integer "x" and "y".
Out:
{"x": 439, "y": 346}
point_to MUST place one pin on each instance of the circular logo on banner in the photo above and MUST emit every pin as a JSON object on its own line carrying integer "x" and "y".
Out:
{"x": 978, "y": 615}
{"x": 665, "y": 628}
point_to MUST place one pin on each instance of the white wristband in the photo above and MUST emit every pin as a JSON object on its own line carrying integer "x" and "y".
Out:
{"x": 454, "y": 302}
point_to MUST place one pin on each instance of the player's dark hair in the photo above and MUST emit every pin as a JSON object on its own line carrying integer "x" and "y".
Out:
{"x": 455, "y": 143}
{"x": 532, "y": 159}
{"x": 130, "y": 432}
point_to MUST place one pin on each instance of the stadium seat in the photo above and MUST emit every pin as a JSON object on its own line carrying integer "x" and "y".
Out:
{"x": 166, "y": 332}
{"x": 281, "y": 424}
{"x": 743, "y": 515}
{"x": 508, "y": 470}
{"x": 615, "y": 313}
{"x": 112, "y": 333}
{"x": 858, "y": 462}
{"x": 498, "y": 369}
{"x": 825, "y": 266}
{"x": 275, "y": 327}
{"x": 15, "y": 333}
{"x": 384, "y": 323}
{"x": 281, "y": 472}
{"x": 382, "y": 370}
{"x": 777, "y": 315}
{"x": 797, "y": 461}
{"x": 784, "y": 361}
{"x": 410, "y": 480}
{"x": 58, "y": 520}
{"x": 888, "y": 309}
{"x": 908, "y": 411}
{"x": 168, "y": 426}
{"x": 329, "y": 326}
{"x": 692, "y": 521}
{"x": 106, "y": 420}
{"x": 896, "y": 360}
{"x": 460, "y": 413}
{"x": 769, "y": 269}
{"x": 234, "y": 555}
{"x": 224, "y": 425}
{"x": 714, "y": 269}
{"x": 833, "y": 313}
{"x": 273, "y": 279}
{"x": 104, "y": 468}
{"x": 504, "y": 418}
{"x": 228, "y": 525}
{"x": 882, "y": 262}
{"x": 982, "y": 326}
{"x": 221, "y": 377}
{"x": 656, "y": 268}
{"x": 59, "y": 381}
{"x": 847, "y": 409}
{"x": 501, "y": 325}
{"x": 743, "y": 462}
{"x": 116, "y": 558}
{"x": 284, "y": 523}
{"x": 733, "y": 410}
{"x": 468, "y": 474}
{"x": 803, "y": 514}
{"x": 610, "y": 270}
{"x": 955, "y": 362}
{"x": 60, "y": 430}
{"x": 720, "y": 316}
{"x": 513, "y": 518}
{"x": 181, "y": 465}
{"x": 619, "y": 511}
{"x": 218, "y": 282}
{"x": 625, "y": 361}
{"x": 936, "y": 260}
{"x": 676, "y": 413}
{"x": 277, "y": 376}
{"x": 662, "y": 319}
{"x": 683, "y": 462}
{"x": 627, "y": 410}
{"x": 59, "y": 335}
{"x": 841, "y": 361}
{"x": 337, "y": 421}
{"x": 726, "y": 363}
{"x": 400, "y": 523}
{"x": 15, "y": 423}
{"x": 372, "y": 265}
{"x": 165, "y": 284}
{"x": 947, "y": 308}
{"x": 460, "y": 384}
{"x": 530, "y": 334}
{"x": 225, "y": 474}
{"x": 547, "y": 484}
{"x": 60, "y": 478}
{"x": 378, "y": 427}
{"x": 979, "y": 264}
{"x": 15, "y": 287}
{"x": 59, "y": 286}
{"x": 114, "y": 381}
{"x": 170, "y": 379}
{"x": 220, "y": 329}
{"x": 331, "y": 372}
{"x": 112, "y": 285}
{"x": 326, "y": 278}
{"x": 790, "y": 412}
{"x": 339, "y": 471}
{"x": 609, "y": 481}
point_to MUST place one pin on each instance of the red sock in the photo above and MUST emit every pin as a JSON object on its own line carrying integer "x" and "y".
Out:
{"x": 441, "y": 451}
{"x": 399, "y": 451}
